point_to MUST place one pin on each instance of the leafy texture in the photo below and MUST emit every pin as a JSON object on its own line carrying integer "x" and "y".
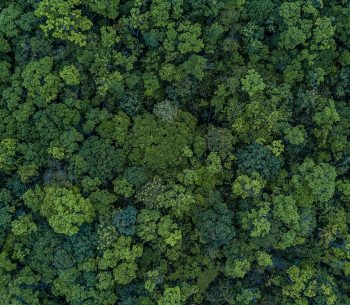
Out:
{"x": 174, "y": 152}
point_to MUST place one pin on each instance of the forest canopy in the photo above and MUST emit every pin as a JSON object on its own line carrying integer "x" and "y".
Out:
{"x": 174, "y": 152}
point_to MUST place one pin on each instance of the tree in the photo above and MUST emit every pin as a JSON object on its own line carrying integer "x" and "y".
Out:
{"x": 23, "y": 226}
{"x": 97, "y": 158}
{"x": 63, "y": 20}
{"x": 256, "y": 220}
{"x": 109, "y": 8}
{"x": 174, "y": 152}
{"x": 9, "y": 20}
{"x": 220, "y": 140}
{"x": 253, "y": 83}
{"x": 171, "y": 296}
{"x": 189, "y": 41}
{"x": 124, "y": 220}
{"x": 42, "y": 85}
{"x": 7, "y": 154}
{"x": 314, "y": 182}
{"x": 215, "y": 224}
{"x": 70, "y": 75}
{"x": 237, "y": 268}
{"x": 66, "y": 210}
{"x": 178, "y": 200}
{"x": 245, "y": 186}
{"x": 157, "y": 146}
{"x": 147, "y": 224}
{"x": 286, "y": 211}
{"x": 121, "y": 258}
{"x": 256, "y": 158}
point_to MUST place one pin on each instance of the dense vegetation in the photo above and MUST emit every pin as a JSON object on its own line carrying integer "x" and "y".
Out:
{"x": 169, "y": 152}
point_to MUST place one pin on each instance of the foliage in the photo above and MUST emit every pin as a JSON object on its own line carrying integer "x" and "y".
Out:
{"x": 258, "y": 159}
{"x": 215, "y": 225}
{"x": 70, "y": 75}
{"x": 65, "y": 210}
{"x": 125, "y": 219}
{"x": 174, "y": 152}
{"x": 63, "y": 20}
{"x": 253, "y": 83}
